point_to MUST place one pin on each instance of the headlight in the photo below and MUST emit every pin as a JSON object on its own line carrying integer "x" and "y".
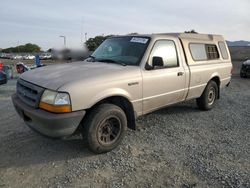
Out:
{"x": 57, "y": 102}
{"x": 49, "y": 97}
{"x": 62, "y": 99}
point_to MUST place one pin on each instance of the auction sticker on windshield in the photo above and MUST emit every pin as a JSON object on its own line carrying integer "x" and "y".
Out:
{"x": 139, "y": 40}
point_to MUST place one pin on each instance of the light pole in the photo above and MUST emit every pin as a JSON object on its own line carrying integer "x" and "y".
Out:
{"x": 18, "y": 47}
{"x": 64, "y": 40}
{"x": 85, "y": 36}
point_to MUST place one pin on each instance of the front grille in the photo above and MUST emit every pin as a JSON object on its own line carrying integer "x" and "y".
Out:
{"x": 29, "y": 93}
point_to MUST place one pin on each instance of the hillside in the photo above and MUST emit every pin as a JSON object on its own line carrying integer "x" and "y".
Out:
{"x": 239, "y": 52}
{"x": 238, "y": 43}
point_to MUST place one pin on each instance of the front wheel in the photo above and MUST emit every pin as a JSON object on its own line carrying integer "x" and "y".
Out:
{"x": 104, "y": 128}
{"x": 207, "y": 100}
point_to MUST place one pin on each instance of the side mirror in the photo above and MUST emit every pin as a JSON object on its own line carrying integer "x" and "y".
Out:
{"x": 157, "y": 62}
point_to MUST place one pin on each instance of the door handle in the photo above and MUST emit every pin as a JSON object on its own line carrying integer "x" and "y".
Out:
{"x": 180, "y": 73}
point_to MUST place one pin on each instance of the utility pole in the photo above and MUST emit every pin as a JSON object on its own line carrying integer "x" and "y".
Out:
{"x": 85, "y": 37}
{"x": 64, "y": 40}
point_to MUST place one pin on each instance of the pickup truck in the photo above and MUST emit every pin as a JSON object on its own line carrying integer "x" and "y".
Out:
{"x": 126, "y": 77}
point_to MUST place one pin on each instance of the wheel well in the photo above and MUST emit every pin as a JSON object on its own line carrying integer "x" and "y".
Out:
{"x": 125, "y": 105}
{"x": 216, "y": 79}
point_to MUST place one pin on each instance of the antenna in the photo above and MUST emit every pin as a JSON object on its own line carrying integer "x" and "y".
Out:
{"x": 86, "y": 37}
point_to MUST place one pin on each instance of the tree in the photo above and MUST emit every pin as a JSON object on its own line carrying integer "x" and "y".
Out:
{"x": 27, "y": 48}
{"x": 93, "y": 43}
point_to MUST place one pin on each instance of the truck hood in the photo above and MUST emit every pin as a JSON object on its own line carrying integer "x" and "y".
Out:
{"x": 54, "y": 76}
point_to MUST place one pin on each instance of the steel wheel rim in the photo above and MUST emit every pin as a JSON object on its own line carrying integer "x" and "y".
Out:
{"x": 211, "y": 96}
{"x": 109, "y": 130}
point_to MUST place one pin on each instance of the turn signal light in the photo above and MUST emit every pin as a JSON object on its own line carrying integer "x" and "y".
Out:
{"x": 55, "y": 108}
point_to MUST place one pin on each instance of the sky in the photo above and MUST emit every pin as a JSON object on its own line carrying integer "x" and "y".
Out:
{"x": 43, "y": 21}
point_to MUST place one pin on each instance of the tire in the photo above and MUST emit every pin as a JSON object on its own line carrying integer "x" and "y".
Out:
{"x": 207, "y": 100}
{"x": 104, "y": 128}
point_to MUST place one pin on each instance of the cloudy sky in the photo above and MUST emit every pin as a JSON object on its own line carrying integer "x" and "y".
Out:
{"x": 43, "y": 21}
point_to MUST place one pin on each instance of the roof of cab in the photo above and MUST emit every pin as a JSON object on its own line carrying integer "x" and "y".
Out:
{"x": 193, "y": 36}
{"x": 182, "y": 36}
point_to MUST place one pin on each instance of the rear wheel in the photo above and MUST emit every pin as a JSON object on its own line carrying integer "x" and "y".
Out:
{"x": 207, "y": 100}
{"x": 104, "y": 128}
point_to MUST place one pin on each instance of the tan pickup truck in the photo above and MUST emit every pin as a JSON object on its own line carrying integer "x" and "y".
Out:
{"x": 126, "y": 77}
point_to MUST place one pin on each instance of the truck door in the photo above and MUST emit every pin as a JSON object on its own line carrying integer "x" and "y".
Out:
{"x": 165, "y": 84}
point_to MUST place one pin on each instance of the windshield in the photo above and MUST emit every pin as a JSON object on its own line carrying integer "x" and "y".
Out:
{"x": 127, "y": 50}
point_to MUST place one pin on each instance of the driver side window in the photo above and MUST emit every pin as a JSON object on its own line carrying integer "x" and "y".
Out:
{"x": 165, "y": 49}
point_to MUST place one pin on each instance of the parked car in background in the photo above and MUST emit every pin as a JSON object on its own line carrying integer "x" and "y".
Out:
{"x": 245, "y": 69}
{"x": 25, "y": 57}
{"x": 3, "y": 78}
{"x": 17, "y": 57}
{"x": 8, "y": 71}
{"x": 8, "y": 56}
{"x": 2, "y": 55}
{"x": 45, "y": 56}
{"x": 29, "y": 57}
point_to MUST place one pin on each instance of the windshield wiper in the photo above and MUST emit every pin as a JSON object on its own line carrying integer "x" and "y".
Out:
{"x": 92, "y": 58}
{"x": 111, "y": 61}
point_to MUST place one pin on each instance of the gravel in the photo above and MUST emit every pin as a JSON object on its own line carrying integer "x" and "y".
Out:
{"x": 178, "y": 146}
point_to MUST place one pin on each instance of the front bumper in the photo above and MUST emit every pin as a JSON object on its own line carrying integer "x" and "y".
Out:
{"x": 46, "y": 123}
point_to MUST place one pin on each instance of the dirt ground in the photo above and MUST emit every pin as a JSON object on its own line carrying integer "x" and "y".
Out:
{"x": 178, "y": 146}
